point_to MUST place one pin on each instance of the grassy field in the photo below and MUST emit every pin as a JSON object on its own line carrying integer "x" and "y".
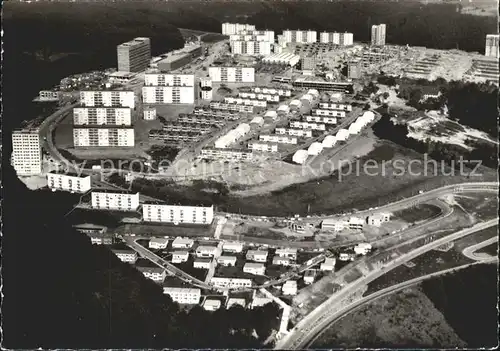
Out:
{"x": 491, "y": 249}
{"x": 418, "y": 213}
{"x": 476, "y": 238}
{"x": 483, "y": 206}
{"x": 404, "y": 319}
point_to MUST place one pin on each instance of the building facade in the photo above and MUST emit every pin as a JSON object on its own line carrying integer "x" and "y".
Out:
{"x": 107, "y": 98}
{"x": 121, "y": 116}
{"x": 117, "y": 200}
{"x": 378, "y": 35}
{"x": 231, "y": 283}
{"x": 69, "y": 182}
{"x": 152, "y": 212}
{"x": 252, "y": 48}
{"x": 105, "y": 137}
{"x": 188, "y": 296}
{"x": 300, "y": 36}
{"x": 492, "y": 47}
{"x": 342, "y": 39}
{"x": 236, "y": 28}
{"x": 134, "y": 56}
{"x": 26, "y": 152}
{"x": 232, "y": 74}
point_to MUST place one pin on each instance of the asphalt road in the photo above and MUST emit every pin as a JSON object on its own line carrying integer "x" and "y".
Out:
{"x": 470, "y": 252}
{"x": 310, "y": 326}
{"x": 387, "y": 291}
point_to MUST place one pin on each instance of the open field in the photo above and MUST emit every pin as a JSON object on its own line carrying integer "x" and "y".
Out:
{"x": 418, "y": 213}
{"x": 475, "y": 238}
{"x": 491, "y": 249}
{"x": 404, "y": 319}
{"x": 482, "y": 206}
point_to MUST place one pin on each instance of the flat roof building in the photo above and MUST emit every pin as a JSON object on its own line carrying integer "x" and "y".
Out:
{"x": 103, "y": 137}
{"x": 232, "y": 74}
{"x": 182, "y": 243}
{"x": 134, "y": 56}
{"x": 227, "y": 261}
{"x": 257, "y": 255}
{"x": 118, "y": 116}
{"x": 254, "y": 268}
{"x": 212, "y": 305}
{"x": 231, "y": 283}
{"x": 107, "y": 98}
{"x": 233, "y": 246}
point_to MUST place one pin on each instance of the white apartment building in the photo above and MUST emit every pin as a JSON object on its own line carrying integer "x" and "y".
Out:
{"x": 232, "y": 246}
{"x": 322, "y": 119}
{"x": 356, "y": 223}
{"x": 149, "y": 113}
{"x": 168, "y": 95}
{"x": 158, "y": 243}
{"x": 300, "y": 36}
{"x": 249, "y": 35}
{"x": 225, "y": 154}
{"x": 290, "y": 288}
{"x": 305, "y": 133}
{"x": 251, "y": 48}
{"x": 236, "y": 28}
{"x": 227, "y": 261}
{"x": 254, "y": 268}
{"x": 206, "y": 251}
{"x": 248, "y": 102}
{"x": 97, "y": 137}
{"x": 206, "y": 90}
{"x": 278, "y": 138}
{"x": 378, "y": 34}
{"x": 202, "y": 263}
{"x": 334, "y": 225}
{"x": 328, "y": 265}
{"x": 182, "y": 243}
{"x": 231, "y": 283}
{"x": 291, "y": 253}
{"x": 115, "y": 200}
{"x": 232, "y": 74}
{"x": 259, "y": 96}
{"x": 102, "y": 116}
{"x": 156, "y": 274}
{"x": 188, "y": 296}
{"x": 26, "y": 152}
{"x": 379, "y": 218}
{"x": 110, "y": 98}
{"x": 333, "y": 106}
{"x": 492, "y": 45}
{"x": 69, "y": 182}
{"x": 329, "y": 113}
{"x": 307, "y": 125}
{"x": 281, "y": 261}
{"x": 263, "y": 146}
{"x": 128, "y": 256}
{"x": 154, "y": 212}
{"x": 342, "y": 39}
{"x": 272, "y": 91}
{"x": 257, "y": 255}
{"x": 169, "y": 80}
{"x": 134, "y": 56}
{"x": 180, "y": 256}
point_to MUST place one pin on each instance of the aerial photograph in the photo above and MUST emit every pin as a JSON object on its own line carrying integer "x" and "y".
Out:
{"x": 249, "y": 174}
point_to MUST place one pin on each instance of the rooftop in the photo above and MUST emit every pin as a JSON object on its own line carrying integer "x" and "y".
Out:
{"x": 105, "y": 191}
{"x": 133, "y": 42}
{"x": 70, "y": 174}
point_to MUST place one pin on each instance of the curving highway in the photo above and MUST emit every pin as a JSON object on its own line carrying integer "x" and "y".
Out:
{"x": 470, "y": 252}
{"x": 387, "y": 291}
{"x": 311, "y": 325}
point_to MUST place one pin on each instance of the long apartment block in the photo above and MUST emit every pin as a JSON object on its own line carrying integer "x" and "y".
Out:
{"x": 168, "y": 136}
{"x": 263, "y": 146}
{"x": 202, "y": 120}
{"x": 300, "y": 36}
{"x": 333, "y": 106}
{"x": 251, "y": 48}
{"x": 232, "y": 74}
{"x": 322, "y": 119}
{"x": 107, "y": 98}
{"x": 342, "y": 39}
{"x": 115, "y": 200}
{"x": 272, "y": 91}
{"x": 169, "y": 80}
{"x": 236, "y": 28}
{"x": 257, "y": 96}
{"x": 329, "y": 113}
{"x": 225, "y": 154}
{"x": 215, "y": 113}
{"x": 165, "y": 213}
{"x": 79, "y": 183}
{"x": 167, "y": 88}
{"x": 277, "y": 138}
{"x": 247, "y": 102}
{"x": 307, "y": 125}
{"x": 103, "y": 137}
{"x": 102, "y": 116}
{"x": 304, "y": 133}
{"x": 215, "y": 105}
